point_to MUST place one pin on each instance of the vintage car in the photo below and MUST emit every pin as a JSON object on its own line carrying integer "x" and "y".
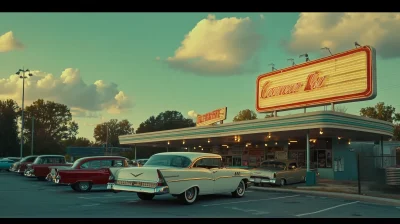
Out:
{"x": 278, "y": 172}
{"x": 184, "y": 175}
{"x": 5, "y": 164}
{"x": 138, "y": 162}
{"x": 40, "y": 167}
{"x": 86, "y": 172}
{"x": 20, "y": 166}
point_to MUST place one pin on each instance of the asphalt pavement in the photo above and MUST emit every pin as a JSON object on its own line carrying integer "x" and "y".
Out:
{"x": 22, "y": 197}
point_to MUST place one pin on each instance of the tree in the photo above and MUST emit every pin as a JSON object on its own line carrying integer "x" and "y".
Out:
{"x": 341, "y": 109}
{"x": 52, "y": 124}
{"x": 115, "y": 129}
{"x": 77, "y": 142}
{"x": 167, "y": 120}
{"x": 380, "y": 112}
{"x": 9, "y": 142}
{"x": 245, "y": 115}
{"x": 384, "y": 113}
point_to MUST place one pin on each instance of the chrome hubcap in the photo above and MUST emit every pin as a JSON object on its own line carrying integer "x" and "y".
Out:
{"x": 190, "y": 194}
{"x": 240, "y": 188}
{"x": 83, "y": 186}
{"x": 282, "y": 182}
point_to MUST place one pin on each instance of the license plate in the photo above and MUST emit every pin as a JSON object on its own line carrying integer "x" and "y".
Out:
{"x": 257, "y": 180}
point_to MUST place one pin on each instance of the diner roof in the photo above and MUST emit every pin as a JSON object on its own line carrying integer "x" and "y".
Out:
{"x": 291, "y": 127}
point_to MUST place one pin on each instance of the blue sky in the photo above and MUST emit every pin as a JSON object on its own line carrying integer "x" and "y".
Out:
{"x": 132, "y": 50}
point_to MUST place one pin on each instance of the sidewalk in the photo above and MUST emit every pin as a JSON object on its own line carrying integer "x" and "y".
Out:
{"x": 343, "y": 189}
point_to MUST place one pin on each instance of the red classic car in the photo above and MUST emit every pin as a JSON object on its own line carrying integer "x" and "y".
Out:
{"x": 40, "y": 167}
{"x": 20, "y": 167}
{"x": 87, "y": 171}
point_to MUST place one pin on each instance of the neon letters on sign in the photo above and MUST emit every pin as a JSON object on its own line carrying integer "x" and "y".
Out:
{"x": 344, "y": 77}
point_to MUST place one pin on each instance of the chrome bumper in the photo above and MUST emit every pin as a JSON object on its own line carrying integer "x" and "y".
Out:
{"x": 262, "y": 181}
{"x": 157, "y": 190}
{"x": 29, "y": 174}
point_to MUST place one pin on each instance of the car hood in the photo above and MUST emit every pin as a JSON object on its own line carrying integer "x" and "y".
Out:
{"x": 264, "y": 172}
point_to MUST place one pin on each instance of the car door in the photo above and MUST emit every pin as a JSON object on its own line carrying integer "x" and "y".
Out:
{"x": 102, "y": 174}
{"x": 224, "y": 180}
{"x": 291, "y": 173}
{"x": 203, "y": 176}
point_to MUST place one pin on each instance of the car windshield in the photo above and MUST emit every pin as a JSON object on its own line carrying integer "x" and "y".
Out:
{"x": 168, "y": 160}
{"x": 28, "y": 159}
{"x": 273, "y": 165}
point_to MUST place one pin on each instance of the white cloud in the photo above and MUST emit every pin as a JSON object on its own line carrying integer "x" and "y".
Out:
{"x": 262, "y": 16}
{"x": 225, "y": 46}
{"x": 84, "y": 99}
{"x": 339, "y": 31}
{"x": 158, "y": 58}
{"x": 8, "y": 42}
{"x": 192, "y": 114}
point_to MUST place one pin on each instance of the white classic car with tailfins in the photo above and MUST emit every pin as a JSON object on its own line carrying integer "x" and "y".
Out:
{"x": 184, "y": 175}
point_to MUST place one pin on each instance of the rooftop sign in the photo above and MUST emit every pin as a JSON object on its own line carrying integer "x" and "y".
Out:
{"x": 344, "y": 77}
{"x": 211, "y": 117}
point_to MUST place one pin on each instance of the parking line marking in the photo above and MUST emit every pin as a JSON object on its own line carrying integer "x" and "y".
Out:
{"x": 103, "y": 197}
{"x": 323, "y": 210}
{"x": 90, "y": 205}
{"x": 266, "y": 199}
{"x": 398, "y": 207}
{"x": 249, "y": 191}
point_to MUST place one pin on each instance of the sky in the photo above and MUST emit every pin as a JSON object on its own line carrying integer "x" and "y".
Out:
{"x": 135, "y": 65}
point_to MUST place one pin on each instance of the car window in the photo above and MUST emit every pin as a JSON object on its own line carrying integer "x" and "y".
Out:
{"x": 291, "y": 165}
{"x": 95, "y": 164}
{"x": 85, "y": 165}
{"x": 118, "y": 163}
{"x": 168, "y": 160}
{"x": 208, "y": 163}
{"x": 105, "y": 163}
{"x": 273, "y": 165}
{"x": 30, "y": 159}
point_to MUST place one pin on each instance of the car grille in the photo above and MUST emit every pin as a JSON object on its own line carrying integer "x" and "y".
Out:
{"x": 136, "y": 183}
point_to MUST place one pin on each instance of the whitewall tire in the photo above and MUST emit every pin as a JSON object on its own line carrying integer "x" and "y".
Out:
{"x": 189, "y": 196}
{"x": 240, "y": 190}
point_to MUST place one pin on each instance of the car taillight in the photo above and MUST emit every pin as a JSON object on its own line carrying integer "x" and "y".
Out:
{"x": 274, "y": 175}
{"x": 161, "y": 181}
{"x": 111, "y": 178}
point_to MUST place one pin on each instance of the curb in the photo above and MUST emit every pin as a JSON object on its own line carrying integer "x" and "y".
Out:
{"x": 365, "y": 198}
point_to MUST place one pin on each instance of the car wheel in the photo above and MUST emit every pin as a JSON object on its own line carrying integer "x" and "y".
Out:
{"x": 84, "y": 186}
{"x": 145, "y": 196}
{"x": 283, "y": 182}
{"x": 189, "y": 196}
{"x": 240, "y": 190}
{"x": 41, "y": 178}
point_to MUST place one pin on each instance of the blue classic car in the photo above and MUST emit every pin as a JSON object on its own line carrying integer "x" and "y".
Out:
{"x": 6, "y": 163}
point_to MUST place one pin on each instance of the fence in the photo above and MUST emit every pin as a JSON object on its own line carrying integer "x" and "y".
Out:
{"x": 378, "y": 175}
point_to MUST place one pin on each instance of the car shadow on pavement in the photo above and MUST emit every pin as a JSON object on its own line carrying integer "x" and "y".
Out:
{"x": 162, "y": 201}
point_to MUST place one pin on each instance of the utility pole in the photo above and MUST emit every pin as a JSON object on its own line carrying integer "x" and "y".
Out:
{"x": 106, "y": 138}
{"x": 33, "y": 130}
{"x": 21, "y": 74}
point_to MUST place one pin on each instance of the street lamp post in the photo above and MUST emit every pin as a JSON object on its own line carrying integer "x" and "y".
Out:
{"x": 21, "y": 74}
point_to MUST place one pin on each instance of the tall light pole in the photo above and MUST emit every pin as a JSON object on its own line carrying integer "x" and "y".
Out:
{"x": 21, "y": 74}
{"x": 33, "y": 130}
{"x": 106, "y": 138}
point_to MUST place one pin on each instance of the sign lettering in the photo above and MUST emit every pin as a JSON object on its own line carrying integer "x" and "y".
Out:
{"x": 211, "y": 117}
{"x": 313, "y": 81}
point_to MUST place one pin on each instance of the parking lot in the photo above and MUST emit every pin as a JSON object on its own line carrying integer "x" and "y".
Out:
{"x": 27, "y": 197}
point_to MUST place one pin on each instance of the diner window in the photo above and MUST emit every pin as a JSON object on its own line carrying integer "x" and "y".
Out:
{"x": 322, "y": 158}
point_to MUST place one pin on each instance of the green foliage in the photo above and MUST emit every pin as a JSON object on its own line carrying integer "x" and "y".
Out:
{"x": 115, "y": 128}
{"x": 167, "y": 120}
{"x": 9, "y": 141}
{"x": 53, "y": 124}
{"x": 385, "y": 113}
{"x": 245, "y": 115}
